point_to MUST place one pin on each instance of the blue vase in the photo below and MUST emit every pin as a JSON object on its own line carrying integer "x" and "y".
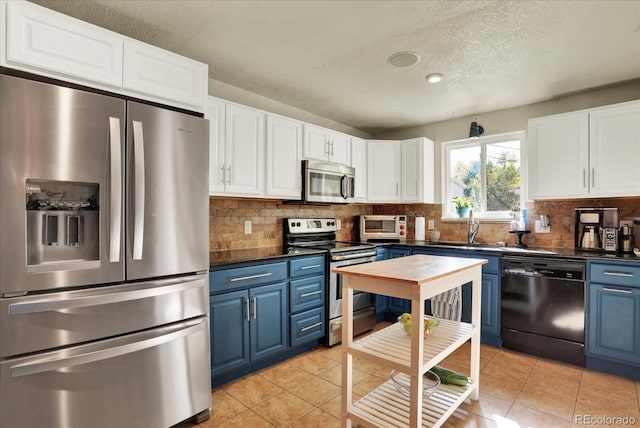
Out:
{"x": 463, "y": 212}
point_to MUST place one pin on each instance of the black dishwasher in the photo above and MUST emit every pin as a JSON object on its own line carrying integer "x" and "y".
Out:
{"x": 542, "y": 307}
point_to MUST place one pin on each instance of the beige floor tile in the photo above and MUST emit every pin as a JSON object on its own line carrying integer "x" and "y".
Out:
{"x": 468, "y": 420}
{"x": 316, "y": 391}
{"x": 594, "y": 402}
{"x": 334, "y": 375}
{"x": 317, "y": 419}
{"x": 334, "y": 353}
{"x": 371, "y": 367}
{"x": 487, "y": 406}
{"x": 248, "y": 418}
{"x": 525, "y": 417}
{"x": 554, "y": 404}
{"x": 284, "y": 409}
{"x": 334, "y": 406}
{"x": 252, "y": 390}
{"x": 225, "y": 406}
{"x": 314, "y": 363}
{"x": 368, "y": 384}
{"x": 285, "y": 375}
{"x": 511, "y": 365}
{"x": 501, "y": 387}
{"x": 556, "y": 378}
{"x": 608, "y": 384}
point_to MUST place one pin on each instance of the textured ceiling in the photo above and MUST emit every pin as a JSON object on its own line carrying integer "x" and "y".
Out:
{"x": 329, "y": 57}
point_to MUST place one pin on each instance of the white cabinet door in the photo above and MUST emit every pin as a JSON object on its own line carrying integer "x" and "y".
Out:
{"x": 284, "y": 155}
{"x": 52, "y": 44}
{"x": 559, "y": 156}
{"x": 163, "y": 75}
{"x": 316, "y": 144}
{"x": 215, "y": 112}
{"x": 339, "y": 148}
{"x": 383, "y": 170}
{"x": 359, "y": 162}
{"x": 614, "y": 143}
{"x": 411, "y": 170}
{"x": 244, "y": 151}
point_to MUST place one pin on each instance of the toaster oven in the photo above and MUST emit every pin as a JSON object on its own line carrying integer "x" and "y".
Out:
{"x": 383, "y": 228}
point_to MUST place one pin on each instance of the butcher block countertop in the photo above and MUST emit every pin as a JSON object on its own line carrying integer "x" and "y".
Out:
{"x": 417, "y": 269}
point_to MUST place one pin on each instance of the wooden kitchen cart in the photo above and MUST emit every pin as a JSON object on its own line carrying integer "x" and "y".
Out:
{"x": 416, "y": 278}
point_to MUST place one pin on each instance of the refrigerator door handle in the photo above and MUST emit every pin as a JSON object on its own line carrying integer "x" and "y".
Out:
{"x": 102, "y": 299}
{"x": 115, "y": 203}
{"x": 90, "y": 357}
{"x": 138, "y": 190}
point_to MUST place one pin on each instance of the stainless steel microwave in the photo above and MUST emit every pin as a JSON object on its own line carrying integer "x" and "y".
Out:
{"x": 327, "y": 182}
{"x": 383, "y": 228}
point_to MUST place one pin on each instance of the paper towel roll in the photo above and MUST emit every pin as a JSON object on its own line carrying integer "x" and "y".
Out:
{"x": 419, "y": 229}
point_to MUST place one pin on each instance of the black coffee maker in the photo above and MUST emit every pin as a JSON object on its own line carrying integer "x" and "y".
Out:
{"x": 596, "y": 229}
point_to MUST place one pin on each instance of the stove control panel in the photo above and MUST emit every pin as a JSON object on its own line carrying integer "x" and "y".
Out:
{"x": 311, "y": 225}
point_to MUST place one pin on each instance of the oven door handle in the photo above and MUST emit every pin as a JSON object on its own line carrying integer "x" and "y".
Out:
{"x": 352, "y": 256}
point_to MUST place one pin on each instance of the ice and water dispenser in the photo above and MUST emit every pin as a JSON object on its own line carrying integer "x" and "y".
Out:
{"x": 62, "y": 223}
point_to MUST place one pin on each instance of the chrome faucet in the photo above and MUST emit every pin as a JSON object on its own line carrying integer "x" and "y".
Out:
{"x": 473, "y": 228}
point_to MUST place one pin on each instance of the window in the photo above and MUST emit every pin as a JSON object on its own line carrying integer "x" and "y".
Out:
{"x": 487, "y": 171}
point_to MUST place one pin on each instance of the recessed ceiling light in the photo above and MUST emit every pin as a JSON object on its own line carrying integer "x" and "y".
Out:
{"x": 403, "y": 59}
{"x": 433, "y": 77}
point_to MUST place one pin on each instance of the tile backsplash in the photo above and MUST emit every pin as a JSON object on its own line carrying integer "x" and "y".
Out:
{"x": 227, "y": 217}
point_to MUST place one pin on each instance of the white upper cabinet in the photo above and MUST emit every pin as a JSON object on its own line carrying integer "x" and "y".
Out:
{"x": 44, "y": 42}
{"x": 244, "y": 150}
{"x": 164, "y": 75}
{"x": 283, "y": 157}
{"x": 236, "y": 149}
{"x": 215, "y": 112}
{"x": 418, "y": 178}
{"x": 558, "y": 156}
{"x": 359, "y": 162}
{"x": 383, "y": 170}
{"x": 589, "y": 153}
{"x": 323, "y": 144}
{"x": 400, "y": 171}
{"x": 614, "y": 150}
{"x": 52, "y": 44}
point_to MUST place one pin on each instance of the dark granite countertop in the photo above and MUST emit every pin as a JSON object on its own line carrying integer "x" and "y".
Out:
{"x": 529, "y": 251}
{"x": 227, "y": 257}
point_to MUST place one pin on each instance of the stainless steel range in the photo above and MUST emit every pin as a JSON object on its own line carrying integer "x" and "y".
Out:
{"x": 320, "y": 233}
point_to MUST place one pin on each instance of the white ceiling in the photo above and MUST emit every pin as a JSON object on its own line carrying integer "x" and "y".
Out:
{"x": 329, "y": 57}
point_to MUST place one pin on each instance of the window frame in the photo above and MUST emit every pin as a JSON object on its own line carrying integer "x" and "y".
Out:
{"x": 448, "y": 213}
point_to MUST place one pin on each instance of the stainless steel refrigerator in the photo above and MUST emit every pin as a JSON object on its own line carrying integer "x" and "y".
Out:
{"x": 103, "y": 260}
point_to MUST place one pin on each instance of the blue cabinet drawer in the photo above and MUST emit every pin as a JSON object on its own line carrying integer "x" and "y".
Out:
{"x": 248, "y": 276}
{"x": 306, "y": 326}
{"x": 303, "y": 266}
{"x": 616, "y": 274}
{"x": 306, "y": 293}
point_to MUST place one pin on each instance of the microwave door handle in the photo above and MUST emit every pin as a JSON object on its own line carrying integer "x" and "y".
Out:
{"x": 343, "y": 187}
{"x": 138, "y": 190}
{"x": 115, "y": 187}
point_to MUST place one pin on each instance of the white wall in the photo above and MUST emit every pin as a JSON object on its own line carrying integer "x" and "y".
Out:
{"x": 513, "y": 119}
{"x": 242, "y": 96}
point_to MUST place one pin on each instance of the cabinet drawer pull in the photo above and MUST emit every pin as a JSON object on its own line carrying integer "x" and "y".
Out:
{"x": 248, "y": 310}
{"x": 309, "y": 267}
{"x": 311, "y": 293}
{"x": 243, "y": 278}
{"x": 616, "y": 290}
{"x": 319, "y": 323}
{"x": 624, "y": 274}
{"x": 255, "y": 308}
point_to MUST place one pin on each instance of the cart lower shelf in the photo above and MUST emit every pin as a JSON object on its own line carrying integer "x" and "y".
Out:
{"x": 387, "y": 407}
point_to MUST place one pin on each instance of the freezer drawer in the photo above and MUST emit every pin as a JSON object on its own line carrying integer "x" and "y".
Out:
{"x": 155, "y": 378}
{"x": 40, "y": 322}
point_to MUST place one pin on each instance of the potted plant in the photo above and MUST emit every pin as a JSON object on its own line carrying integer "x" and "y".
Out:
{"x": 462, "y": 206}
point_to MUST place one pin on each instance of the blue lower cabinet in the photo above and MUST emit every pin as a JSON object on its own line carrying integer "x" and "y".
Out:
{"x": 229, "y": 331}
{"x": 268, "y": 329}
{"x": 306, "y": 326}
{"x": 247, "y": 325}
